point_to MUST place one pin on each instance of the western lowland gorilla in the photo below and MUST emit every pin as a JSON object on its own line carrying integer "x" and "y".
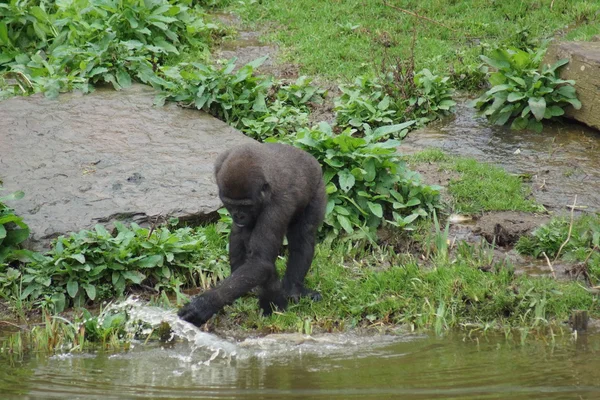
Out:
{"x": 271, "y": 191}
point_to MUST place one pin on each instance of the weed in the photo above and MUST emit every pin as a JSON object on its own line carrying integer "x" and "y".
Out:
{"x": 522, "y": 94}
{"x": 366, "y": 181}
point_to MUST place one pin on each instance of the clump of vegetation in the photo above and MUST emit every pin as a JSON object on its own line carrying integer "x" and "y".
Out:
{"x": 94, "y": 264}
{"x": 397, "y": 96}
{"x": 257, "y": 105}
{"x": 522, "y": 94}
{"x": 367, "y": 182}
{"x": 55, "y": 46}
{"x": 576, "y": 241}
{"x": 13, "y": 230}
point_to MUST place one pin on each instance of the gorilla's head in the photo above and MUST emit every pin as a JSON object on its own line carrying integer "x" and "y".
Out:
{"x": 243, "y": 193}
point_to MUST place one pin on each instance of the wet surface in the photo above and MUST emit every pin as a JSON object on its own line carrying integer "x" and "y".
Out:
{"x": 87, "y": 159}
{"x": 563, "y": 160}
{"x": 294, "y": 366}
{"x": 410, "y": 368}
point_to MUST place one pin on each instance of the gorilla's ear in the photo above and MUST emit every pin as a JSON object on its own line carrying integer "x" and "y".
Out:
{"x": 265, "y": 192}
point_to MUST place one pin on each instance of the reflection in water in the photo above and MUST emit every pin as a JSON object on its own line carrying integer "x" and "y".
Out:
{"x": 563, "y": 159}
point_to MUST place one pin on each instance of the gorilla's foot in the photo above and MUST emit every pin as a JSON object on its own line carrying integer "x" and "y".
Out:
{"x": 197, "y": 311}
{"x": 296, "y": 294}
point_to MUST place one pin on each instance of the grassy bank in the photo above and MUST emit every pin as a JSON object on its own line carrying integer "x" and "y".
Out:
{"x": 478, "y": 187}
{"x": 349, "y": 38}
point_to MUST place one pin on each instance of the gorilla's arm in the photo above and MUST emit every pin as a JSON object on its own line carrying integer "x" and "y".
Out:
{"x": 258, "y": 270}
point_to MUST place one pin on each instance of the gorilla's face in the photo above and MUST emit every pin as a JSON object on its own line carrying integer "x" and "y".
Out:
{"x": 242, "y": 215}
{"x": 245, "y": 197}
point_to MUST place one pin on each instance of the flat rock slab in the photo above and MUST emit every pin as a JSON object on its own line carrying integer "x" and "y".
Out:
{"x": 584, "y": 68}
{"x": 106, "y": 156}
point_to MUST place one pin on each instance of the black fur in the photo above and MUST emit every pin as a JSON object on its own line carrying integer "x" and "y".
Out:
{"x": 271, "y": 191}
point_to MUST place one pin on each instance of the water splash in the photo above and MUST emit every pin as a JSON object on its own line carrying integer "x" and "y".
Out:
{"x": 154, "y": 317}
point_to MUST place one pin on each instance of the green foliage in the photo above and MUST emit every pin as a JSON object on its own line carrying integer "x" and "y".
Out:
{"x": 583, "y": 245}
{"x": 95, "y": 264}
{"x": 13, "y": 230}
{"x": 346, "y": 39}
{"x": 522, "y": 94}
{"x": 367, "y": 182}
{"x": 394, "y": 98}
{"x": 358, "y": 290}
{"x": 54, "y": 46}
{"x": 256, "y": 105}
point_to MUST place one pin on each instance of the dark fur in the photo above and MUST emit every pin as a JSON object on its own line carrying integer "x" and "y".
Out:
{"x": 271, "y": 191}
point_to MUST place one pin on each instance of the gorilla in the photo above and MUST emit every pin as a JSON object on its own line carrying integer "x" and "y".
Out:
{"x": 271, "y": 191}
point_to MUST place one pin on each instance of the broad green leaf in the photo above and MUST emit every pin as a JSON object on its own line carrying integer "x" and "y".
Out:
{"x": 556, "y": 111}
{"x": 384, "y": 104}
{"x": 497, "y": 78}
{"x": 519, "y": 123}
{"x": 535, "y": 125}
{"x": 79, "y": 257}
{"x": 502, "y": 118}
{"x": 123, "y": 78}
{"x": 72, "y": 288}
{"x": 166, "y": 46}
{"x": 514, "y": 96}
{"x": 150, "y": 261}
{"x": 567, "y": 91}
{"x": 376, "y": 209}
{"x": 14, "y": 236}
{"x": 4, "y": 40}
{"x": 345, "y": 223}
{"x": 538, "y": 107}
{"x": 574, "y": 102}
{"x": 346, "y": 180}
{"x": 498, "y": 89}
{"x": 559, "y": 64}
{"x": 500, "y": 64}
{"x": 389, "y": 129}
{"x": 90, "y": 290}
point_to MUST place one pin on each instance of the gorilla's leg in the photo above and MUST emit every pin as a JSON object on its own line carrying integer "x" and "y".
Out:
{"x": 301, "y": 244}
{"x": 272, "y": 296}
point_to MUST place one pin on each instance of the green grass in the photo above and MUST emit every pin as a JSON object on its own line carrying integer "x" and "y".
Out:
{"x": 451, "y": 295}
{"x": 480, "y": 187}
{"x": 347, "y": 38}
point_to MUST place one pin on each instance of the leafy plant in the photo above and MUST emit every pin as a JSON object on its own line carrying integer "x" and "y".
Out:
{"x": 367, "y": 183}
{"x": 60, "y": 45}
{"x": 256, "y": 105}
{"x": 523, "y": 94}
{"x": 95, "y": 264}
{"x": 394, "y": 98}
{"x": 13, "y": 230}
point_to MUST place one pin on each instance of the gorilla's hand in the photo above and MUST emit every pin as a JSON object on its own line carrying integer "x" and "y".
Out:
{"x": 198, "y": 311}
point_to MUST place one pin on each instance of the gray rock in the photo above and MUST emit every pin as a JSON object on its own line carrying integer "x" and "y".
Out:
{"x": 584, "y": 68}
{"x": 106, "y": 156}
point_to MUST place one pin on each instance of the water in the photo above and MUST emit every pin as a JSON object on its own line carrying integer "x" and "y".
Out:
{"x": 562, "y": 160}
{"x": 294, "y": 366}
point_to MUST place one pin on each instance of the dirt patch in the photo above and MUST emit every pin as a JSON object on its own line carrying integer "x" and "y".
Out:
{"x": 506, "y": 227}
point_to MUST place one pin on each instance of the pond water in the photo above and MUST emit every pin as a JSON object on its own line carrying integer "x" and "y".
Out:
{"x": 332, "y": 366}
{"x": 562, "y": 160}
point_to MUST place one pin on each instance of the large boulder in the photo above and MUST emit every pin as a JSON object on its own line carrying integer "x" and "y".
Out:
{"x": 584, "y": 68}
{"x": 106, "y": 156}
